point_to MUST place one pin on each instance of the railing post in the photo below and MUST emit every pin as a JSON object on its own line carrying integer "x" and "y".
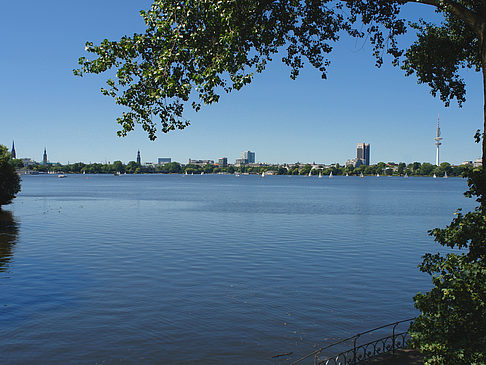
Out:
{"x": 393, "y": 338}
{"x": 354, "y": 349}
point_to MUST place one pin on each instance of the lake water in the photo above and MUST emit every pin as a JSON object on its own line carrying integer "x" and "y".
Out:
{"x": 218, "y": 269}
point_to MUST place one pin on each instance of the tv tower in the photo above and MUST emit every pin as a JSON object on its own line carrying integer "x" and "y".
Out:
{"x": 437, "y": 139}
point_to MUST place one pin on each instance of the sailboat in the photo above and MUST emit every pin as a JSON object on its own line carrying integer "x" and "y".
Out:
{"x": 202, "y": 173}
{"x": 263, "y": 174}
{"x": 330, "y": 175}
{"x": 361, "y": 175}
{"x": 310, "y": 173}
{"x": 445, "y": 175}
{"x": 185, "y": 173}
{"x": 435, "y": 176}
{"x": 377, "y": 175}
{"x": 406, "y": 175}
{"x": 320, "y": 175}
{"x": 347, "y": 174}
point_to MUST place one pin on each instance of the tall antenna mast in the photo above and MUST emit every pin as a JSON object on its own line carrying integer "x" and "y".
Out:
{"x": 437, "y": 139}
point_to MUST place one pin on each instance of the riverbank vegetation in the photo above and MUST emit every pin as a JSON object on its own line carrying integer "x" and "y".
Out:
{"x": 451, "y": 328}
{"x": 381, "y": 168}
{"x": 9, "y": 178}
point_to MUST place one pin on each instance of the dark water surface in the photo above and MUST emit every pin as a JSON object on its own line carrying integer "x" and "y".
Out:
{"x": 174, "y": 269}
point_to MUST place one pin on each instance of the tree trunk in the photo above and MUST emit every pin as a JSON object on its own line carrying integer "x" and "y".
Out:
{"x": 483, "y": 64}
{"x": 482, "y": 39}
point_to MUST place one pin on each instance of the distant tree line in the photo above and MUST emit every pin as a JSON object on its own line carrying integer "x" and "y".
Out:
{"x": 381, "y": 168}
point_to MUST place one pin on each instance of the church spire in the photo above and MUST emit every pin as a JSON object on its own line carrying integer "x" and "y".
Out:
{"x": 14, "y": 155}
{"x": 44, "y": 158}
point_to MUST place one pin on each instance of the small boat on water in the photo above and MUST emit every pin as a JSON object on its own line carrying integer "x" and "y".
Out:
{"x": 202, "y": 173}
{"x": 263, "y": 174}
{"x": 320, "y": 175}
{"x": 445, "y": 175}
{"x": 117, "y": 173}
{"x": 435, "y": 176}
{"x": 361, "y": 175}
{"x": 377, "y": 175}
{"x": 330, "y": 175}
{"x": 310, "y": 173}
{"x": 406, "y": 175}
{"x": 347, "y": 174}
{"x": 61, "y": 176}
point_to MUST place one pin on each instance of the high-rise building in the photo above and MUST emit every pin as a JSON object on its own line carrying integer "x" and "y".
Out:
{"x": 437, "y": 139}
{"x": 248, "y": 156}
{"x": 139, "y": 160}
{"x": 164, "y": 160}
{"x": 44, "y": 158}
{"x": 363, "y": 152}
{"x": 14, "y": 155}
{"x": 223, "y": 161}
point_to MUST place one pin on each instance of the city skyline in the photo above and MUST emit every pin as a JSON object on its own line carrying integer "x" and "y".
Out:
{"x": 285, "y": 121}
{"x": 246, "y": 157}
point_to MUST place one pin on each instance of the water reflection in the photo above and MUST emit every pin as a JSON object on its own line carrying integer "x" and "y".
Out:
{"x": 8, "y": 237}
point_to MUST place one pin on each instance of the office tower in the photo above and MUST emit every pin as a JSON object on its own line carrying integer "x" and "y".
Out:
{"x": 363, "y": 153}
{"x": 164, "y": 160}
{"x": 248, "y": 156}
{"x": 223, "y": 161}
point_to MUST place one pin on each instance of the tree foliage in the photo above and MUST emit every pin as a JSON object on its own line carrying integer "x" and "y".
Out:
{"x": 192, "y": 51}
{"x": 451, "y": 328}
{"x": 195, "y": 50}
{"x": 9, "y": 179}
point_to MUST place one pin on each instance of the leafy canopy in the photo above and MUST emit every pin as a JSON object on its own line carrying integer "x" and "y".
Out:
{"x": 192, "y": 51}
{"x": 9, "y": 179}
{"x": 451, "y": 328}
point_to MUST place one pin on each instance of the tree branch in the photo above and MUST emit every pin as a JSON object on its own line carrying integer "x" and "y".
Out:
{"x": 469, "y": 17}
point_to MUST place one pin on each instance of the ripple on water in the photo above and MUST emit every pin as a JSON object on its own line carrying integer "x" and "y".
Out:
{"x": 214, "y": 269}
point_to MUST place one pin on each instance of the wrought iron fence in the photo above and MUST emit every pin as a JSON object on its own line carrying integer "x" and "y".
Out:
{"x": 361, "y": 352}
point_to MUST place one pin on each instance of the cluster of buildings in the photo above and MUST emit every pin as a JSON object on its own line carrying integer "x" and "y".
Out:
{"x": 29, "y": 161}
{"x": 362, "y": 156}
{"x": 248, "y": 157}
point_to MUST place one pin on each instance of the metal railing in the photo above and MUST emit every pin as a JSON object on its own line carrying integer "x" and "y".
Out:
{"x": 361, "y": 352}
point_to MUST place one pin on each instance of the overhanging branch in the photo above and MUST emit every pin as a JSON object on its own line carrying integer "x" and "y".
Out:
{"x": 472, "y": 19}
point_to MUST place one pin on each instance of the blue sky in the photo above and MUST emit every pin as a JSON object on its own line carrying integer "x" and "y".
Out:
{"x": 43, "y": 104}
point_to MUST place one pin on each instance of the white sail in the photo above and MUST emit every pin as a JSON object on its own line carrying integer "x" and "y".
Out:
{"x": 330, "y": 175}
